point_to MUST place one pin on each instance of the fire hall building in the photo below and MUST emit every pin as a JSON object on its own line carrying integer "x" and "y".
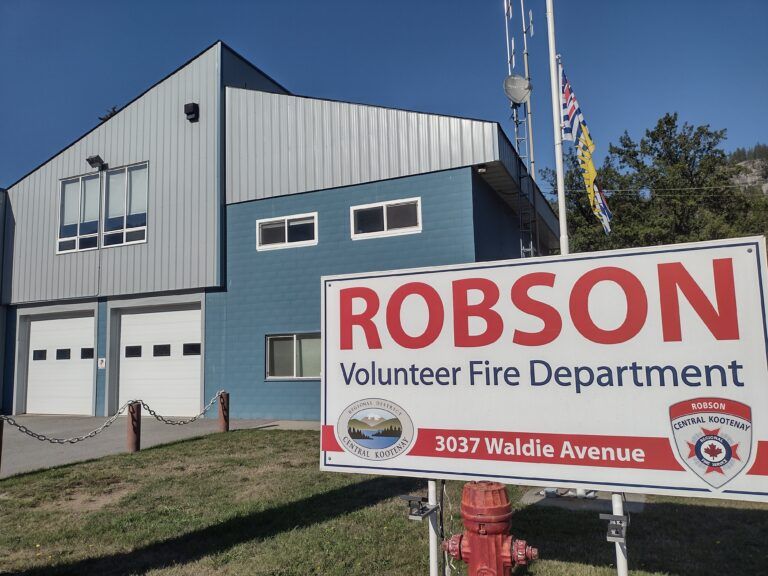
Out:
{"x": 176, "y": 248}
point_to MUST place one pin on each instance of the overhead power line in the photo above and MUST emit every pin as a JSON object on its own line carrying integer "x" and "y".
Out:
{"x": 664, "y": 190}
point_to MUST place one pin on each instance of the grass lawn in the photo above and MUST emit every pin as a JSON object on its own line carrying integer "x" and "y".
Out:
{"x": 255, "y": 503}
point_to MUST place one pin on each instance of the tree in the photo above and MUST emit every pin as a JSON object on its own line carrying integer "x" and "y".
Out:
{"x": 673, "y": 185}
{"x": 738, "y": 155}
{"x": 108, "y": 114}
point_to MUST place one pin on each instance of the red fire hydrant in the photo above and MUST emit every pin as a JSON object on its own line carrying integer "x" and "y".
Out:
{"x": 486, "y": 545}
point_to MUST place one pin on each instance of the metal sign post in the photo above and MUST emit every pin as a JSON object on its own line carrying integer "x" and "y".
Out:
{"x": 420, "y": 508}
{"x": 434, "y": 540}
{"x": 617, "y": 500}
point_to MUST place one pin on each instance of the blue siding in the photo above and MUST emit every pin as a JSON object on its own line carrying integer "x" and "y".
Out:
{"x": 278, "y": 291}
{"x": 101, "y": 352}
{"x": 10, "y": 360}
{"x": 497, "y": 227}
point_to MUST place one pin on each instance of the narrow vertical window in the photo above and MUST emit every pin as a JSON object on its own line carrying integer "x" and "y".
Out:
{"x": 89, "y": 212}
{"x": 308, "y": 355}
{"x": 280, "y": 356}
{"x": 126, "y": 197}
{"x": 136, "y": 219}
{"x": 114, "y": 222}
{"x": 68, "y": 215}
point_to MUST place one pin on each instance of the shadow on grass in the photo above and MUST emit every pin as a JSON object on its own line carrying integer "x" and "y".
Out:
{"x": 221, "y": 537}
{"x": 679, "y": 539}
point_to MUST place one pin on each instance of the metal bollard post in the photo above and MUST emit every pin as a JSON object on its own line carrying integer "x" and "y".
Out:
{"x": 134, "y": 427}
{"x": 224, "y": 412}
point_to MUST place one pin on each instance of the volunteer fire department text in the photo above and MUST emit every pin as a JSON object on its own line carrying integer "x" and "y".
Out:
{"x": 541, "y": 373}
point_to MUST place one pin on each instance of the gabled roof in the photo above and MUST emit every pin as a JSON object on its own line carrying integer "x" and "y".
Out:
{"x": 163, "y": 79}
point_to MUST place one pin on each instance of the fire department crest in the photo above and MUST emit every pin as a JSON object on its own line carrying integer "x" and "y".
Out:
{"x": 713, "y": 437}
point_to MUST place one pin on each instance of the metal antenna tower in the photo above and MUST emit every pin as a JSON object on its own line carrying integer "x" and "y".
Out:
{"x": 528, "y": 30}
{"x": 518, "y": 90}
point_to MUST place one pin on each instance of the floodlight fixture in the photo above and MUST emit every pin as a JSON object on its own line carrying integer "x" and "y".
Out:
{"x": 95, "y": 161}
{"x": 192, "y": 111}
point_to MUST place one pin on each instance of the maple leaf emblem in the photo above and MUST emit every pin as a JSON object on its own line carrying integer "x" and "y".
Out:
{"x": 712, "y": 450}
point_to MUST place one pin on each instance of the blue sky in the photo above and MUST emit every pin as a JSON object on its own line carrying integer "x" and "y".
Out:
{"x": 62, "y": 64}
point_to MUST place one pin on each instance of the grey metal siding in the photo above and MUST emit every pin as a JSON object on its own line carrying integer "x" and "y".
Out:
{"x": 183, "y": 219}
{"x": 281, "y": 144}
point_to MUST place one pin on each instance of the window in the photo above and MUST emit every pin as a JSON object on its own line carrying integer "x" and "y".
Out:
{"x": 386, "y": 218}
{"x": 124, "y": 214}
{"x": 63, "y": 354}
{"x": 133, "y": 351}
{"x": 39, "y": 354}
{"x": 161, "y": 350}
{"x": 86, "y": 353}
{"x": 191, "y": 349}
{"x": 293, "y": 356}
{"x": 125, "y": 206}
{"x": 286, "y": 232}
{"x": 79, "y": 214}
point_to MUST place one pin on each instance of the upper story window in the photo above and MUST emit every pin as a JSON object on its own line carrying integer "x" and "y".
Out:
{"x": 125, "y": 206}
{"x": 286, "y": 231}
{"x": 79, "y": 214}
{"x": 123, "y": 217}
{"x": 386, "y": 218}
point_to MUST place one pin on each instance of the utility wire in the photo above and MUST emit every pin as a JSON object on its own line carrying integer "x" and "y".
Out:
{"x": 650, "y": 189}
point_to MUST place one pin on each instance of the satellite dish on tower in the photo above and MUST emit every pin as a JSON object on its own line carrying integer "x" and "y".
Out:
{"x": 517, "y": 89}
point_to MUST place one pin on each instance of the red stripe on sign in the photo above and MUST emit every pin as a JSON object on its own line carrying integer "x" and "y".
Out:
{"x": 568, "y": 449}
{"x": 699, "y": 405}
{"x": 328, "y": 442}
{"x": 760, "y": 467}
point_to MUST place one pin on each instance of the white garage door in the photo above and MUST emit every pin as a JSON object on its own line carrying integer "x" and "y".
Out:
{"x": 61, "y": 366}
{"x": 160, "y": 361}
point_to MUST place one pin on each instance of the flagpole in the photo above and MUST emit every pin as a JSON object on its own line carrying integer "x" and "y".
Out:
{"x": 555, "y": 76}
{"x": 557, "y": 112}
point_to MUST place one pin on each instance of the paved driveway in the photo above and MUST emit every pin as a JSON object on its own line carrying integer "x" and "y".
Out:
{"x": 20, "y": 453}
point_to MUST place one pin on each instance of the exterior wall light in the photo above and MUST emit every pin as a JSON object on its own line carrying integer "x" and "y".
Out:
{"x": 482, "y": 168}
{"x": 95, "y": 161}
{"x": 192, "y": 110}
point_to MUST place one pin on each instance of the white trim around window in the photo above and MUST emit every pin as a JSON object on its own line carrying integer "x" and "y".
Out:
{"x": 128, "y": 225}
{"x": 293, "y": 341}
{"x": 276, "y": 233}
{"x": 387, "y": 228}
{"x": 77, "y": 221}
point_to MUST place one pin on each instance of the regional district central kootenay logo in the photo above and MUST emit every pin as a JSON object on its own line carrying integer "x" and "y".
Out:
{"x": 713, "y": 437}
{"x": 375, "y": 429}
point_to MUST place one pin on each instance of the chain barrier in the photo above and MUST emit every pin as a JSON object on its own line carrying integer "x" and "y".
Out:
{"x": 165, "y": 420}
{"x": 111, "y": 420}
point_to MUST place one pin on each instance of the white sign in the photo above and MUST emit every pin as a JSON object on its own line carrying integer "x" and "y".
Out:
{"x": 638, "y": 370}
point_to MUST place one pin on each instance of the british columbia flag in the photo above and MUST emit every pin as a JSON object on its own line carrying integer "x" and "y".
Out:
{"x": 575, "y": 129}
{"x": 572, "y": 117}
